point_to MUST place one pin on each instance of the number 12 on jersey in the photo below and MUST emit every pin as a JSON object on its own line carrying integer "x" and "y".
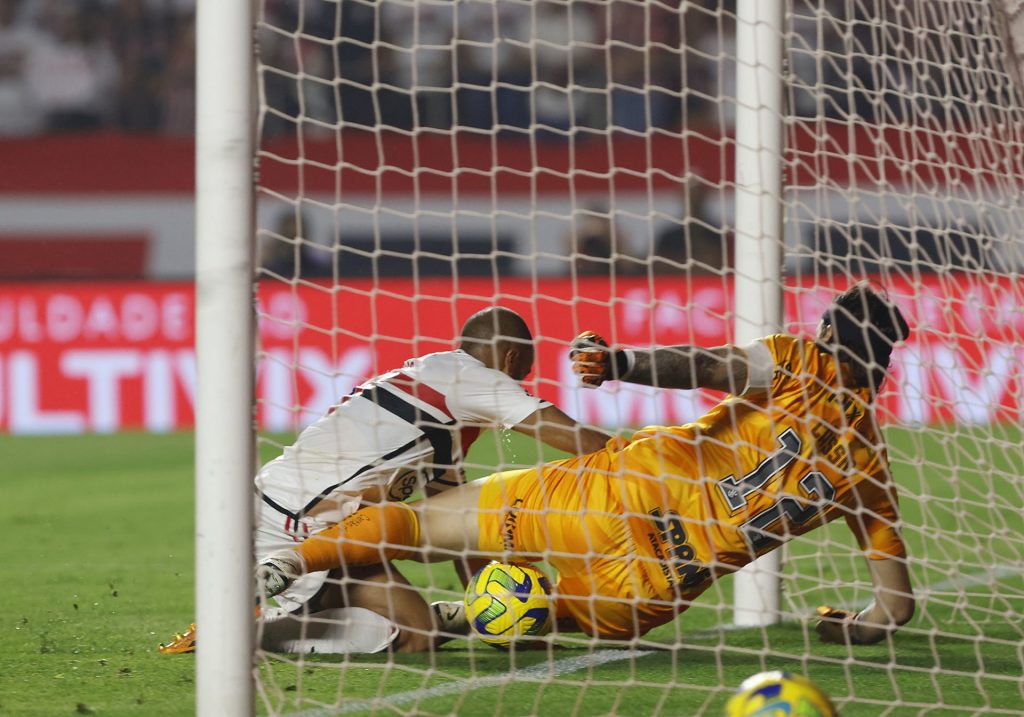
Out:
{"x": 790, "y": 508}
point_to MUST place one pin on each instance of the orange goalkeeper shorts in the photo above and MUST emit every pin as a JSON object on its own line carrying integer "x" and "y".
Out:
{"x": 571, "y": 515}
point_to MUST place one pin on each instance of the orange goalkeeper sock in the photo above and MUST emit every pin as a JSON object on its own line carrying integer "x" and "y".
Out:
{"x": 372, "y": 535}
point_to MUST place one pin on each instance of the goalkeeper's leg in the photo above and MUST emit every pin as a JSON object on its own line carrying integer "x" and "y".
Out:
{"x": 438, "y": 528}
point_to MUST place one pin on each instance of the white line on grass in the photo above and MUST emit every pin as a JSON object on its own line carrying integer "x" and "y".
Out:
{"x": 982, "y": 577}
{"x": 535, "y": 672}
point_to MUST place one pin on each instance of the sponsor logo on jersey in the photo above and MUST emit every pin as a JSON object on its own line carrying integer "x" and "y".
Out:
{"x": 668, "y": 540}
{"x": 403, "y": 485}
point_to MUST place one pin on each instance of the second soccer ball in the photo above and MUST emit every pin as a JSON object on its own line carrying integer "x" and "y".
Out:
{"x": 505, "y": 602}
{"x": 779, "y": 693}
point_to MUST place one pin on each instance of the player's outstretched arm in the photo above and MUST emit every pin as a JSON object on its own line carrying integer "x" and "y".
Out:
{"x": 892, "y": 607}
{"x": 552, "y": 426}
{"x": 722, "y": 368}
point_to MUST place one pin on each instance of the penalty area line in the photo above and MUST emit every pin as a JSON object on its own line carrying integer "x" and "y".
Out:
{"x": 534, "y": 672}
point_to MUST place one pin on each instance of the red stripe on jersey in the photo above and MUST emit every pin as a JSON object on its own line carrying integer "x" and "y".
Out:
{"x": 429, "y": 396}
{"x": 435, "y": 399}
{"x": 467, "y": 435}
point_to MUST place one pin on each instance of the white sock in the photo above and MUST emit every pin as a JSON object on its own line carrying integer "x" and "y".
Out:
{"x": 338, "y": 631}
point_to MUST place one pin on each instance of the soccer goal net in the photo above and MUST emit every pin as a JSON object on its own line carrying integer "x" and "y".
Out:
{"x": 662, "y": 173}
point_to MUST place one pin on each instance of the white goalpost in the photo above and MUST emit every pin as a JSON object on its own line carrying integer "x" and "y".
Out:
{"x": 370, "y": 173}
{"x": 224, "y": 345}
{"x": 759, "y": 239}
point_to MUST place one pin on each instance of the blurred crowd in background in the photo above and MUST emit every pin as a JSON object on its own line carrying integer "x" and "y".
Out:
{"x": 549, "y": 65}
{"x": 544, "y": 64}
{"x": 76, "y": 65}
{"x": 543, "y": 68}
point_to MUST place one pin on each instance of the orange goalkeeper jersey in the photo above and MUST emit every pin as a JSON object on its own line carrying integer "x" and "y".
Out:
{"x": 650, "y": 524}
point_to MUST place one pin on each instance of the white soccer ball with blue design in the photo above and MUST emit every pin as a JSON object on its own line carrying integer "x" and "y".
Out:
{"x": 506, "y": 602}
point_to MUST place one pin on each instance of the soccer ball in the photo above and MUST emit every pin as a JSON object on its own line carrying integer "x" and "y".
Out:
{"x": 505, "y": 602}
{"x": 779, "y": 694}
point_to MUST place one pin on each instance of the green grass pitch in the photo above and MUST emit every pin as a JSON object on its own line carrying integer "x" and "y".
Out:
{"x": 99, "y": 568}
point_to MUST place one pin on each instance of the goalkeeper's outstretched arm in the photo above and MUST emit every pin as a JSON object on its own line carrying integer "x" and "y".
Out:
{"x": 892, "y": 607}
{"x": 723, "y": 368}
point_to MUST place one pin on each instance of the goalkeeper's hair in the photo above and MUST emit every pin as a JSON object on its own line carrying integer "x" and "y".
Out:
{"x": 865, "y": 326}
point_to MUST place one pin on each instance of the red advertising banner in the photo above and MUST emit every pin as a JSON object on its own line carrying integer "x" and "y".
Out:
{"x": 111, "y": 356}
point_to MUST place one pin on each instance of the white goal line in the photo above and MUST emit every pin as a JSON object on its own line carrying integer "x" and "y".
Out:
{"x": 534, "y": 672}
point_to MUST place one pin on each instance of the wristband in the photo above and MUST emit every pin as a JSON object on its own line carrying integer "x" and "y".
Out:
{"x": 625, "y": 359}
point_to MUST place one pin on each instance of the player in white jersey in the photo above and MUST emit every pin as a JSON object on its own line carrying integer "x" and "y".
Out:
{"x": 404, "y": 431}
{"x": 393, "y": 435}
{"x": 397, "y": 433}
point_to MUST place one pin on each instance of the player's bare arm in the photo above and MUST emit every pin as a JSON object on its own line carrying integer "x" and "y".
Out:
{"x": 552, "y": 426}
{"x": 892, "y": 607}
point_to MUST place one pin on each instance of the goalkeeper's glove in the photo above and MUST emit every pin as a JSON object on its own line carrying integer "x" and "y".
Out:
{"x": 278, "y": 571}
{"x": 836, "y": 625}
{"x": 595, "y": 362}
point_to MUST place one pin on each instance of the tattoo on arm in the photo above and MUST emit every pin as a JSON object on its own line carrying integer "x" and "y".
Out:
{"x": 722, "y": 368}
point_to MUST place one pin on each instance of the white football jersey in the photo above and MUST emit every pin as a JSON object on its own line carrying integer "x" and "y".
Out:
{"x": 398, "y": 431}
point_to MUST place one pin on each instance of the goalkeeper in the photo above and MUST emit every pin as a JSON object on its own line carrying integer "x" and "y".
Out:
{"x": 638, "y": 531}
{"x": 404, "y": 431}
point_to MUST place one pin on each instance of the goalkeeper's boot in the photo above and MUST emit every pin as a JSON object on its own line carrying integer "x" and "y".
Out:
{"x": 183, "y": 642}
{"x": 451, "y": 619}
{"x": 278, "y": 571}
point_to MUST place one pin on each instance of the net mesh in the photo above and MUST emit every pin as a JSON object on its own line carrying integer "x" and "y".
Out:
{"x": 420, "y": 160}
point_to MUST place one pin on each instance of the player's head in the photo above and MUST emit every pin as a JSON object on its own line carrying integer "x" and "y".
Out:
{"x": 499, "y": 338}
{"x": 779, "y": 694}
{"x": 864, "y": 325}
